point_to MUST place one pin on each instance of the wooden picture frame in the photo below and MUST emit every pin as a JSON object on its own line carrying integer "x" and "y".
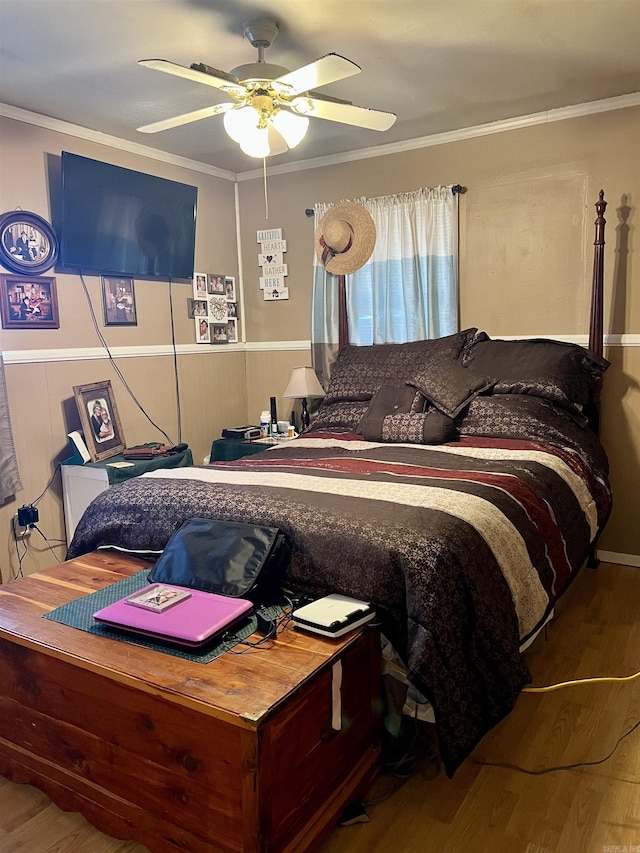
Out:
{"x": 28, "y": 302}
{"x": 100, "y": 420}
{"x": 119, "y": 301}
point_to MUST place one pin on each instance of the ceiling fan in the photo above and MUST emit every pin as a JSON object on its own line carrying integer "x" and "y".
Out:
{"x": 270, "y": 106}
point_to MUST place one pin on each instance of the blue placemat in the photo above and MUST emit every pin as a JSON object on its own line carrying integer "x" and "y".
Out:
{"x": 79, "y": 614}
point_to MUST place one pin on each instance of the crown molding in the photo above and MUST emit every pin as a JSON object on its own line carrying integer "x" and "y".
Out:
{"x": 545, "y": 117}
{"x": 620, "y": 102}
{"x": 48, "y": 123}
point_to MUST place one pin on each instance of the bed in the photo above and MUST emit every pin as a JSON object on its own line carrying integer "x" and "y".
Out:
{"x": 458, "y": 484}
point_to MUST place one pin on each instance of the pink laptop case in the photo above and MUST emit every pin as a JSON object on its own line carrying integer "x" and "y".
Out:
{"x": 191, "y": 621}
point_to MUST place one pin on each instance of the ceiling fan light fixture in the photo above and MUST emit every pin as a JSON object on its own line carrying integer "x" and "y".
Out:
{"x": 256, "y": 143}
{"x": 241, "y": 122}
{"x": 292, "y": 128}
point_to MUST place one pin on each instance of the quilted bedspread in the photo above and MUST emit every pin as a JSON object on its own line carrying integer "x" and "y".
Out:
{"x": 463, "y": 548}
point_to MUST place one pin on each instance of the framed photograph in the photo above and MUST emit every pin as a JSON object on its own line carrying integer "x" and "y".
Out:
{"x": 215, "y": 285}
{"x": 232, "y": 330}
{"x": 200, "y": 285}
{"x": 28, "y": 244}
{"x": 100, "y": 420}
{"x": 219, "y": 333}
{"x": 230, "y": 289}
{"x": 28, "y": 302}
{"x": 196, "y": 308}
{"x": 119, "y": 301}
{"x": 202, "y": 330}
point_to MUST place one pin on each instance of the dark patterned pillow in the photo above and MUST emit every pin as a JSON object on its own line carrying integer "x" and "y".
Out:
{"x": 561, "y": 372}
{"x": 358, "y": 372}
{"x": 449, "y": 385}
{"x": 389, "y": 400}
{"x": 339, "y": 416}
{"x": 420, "y": 428}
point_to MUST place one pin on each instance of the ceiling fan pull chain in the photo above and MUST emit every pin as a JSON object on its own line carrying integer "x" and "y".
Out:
{"x": 266, "y": 200}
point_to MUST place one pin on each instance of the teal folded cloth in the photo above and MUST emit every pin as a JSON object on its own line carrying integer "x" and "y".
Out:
{"x": 79, "y": 614}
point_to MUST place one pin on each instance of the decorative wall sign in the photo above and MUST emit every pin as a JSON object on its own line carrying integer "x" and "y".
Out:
{"x": 274, "y": 270}
{"x": 269, "y": 234}
{"x": 271, "y": 281}
{"x": 276, "y": 294}
{"x": 28, "y": 302}
{"x": 274, "y": 258}
{"x": 28, "y": 244}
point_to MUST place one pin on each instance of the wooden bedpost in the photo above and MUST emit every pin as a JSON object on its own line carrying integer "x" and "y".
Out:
{"x": 595, "y": 319}
{"x": 343, "y": 322}
{"x": 596, "y": 335}
{"x": 596, "y": 343}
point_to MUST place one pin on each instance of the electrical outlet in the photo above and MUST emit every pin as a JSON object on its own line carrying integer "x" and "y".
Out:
{"x": 20, "y": 531}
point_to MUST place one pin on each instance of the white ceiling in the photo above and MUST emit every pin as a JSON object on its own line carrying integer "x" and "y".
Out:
{"x": 440, "y": 65}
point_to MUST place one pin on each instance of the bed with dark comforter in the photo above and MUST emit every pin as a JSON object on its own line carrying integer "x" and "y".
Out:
{"x": 465, "y": 515}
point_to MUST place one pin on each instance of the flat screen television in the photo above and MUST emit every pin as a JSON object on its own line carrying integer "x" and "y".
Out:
{"x": 117, "y": 221}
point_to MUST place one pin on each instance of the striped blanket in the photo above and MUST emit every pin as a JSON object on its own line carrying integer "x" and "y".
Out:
{"x": 463, "y": 548}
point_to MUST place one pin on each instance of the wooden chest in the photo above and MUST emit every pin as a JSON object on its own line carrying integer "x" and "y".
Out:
{"x": 253, "y": 752}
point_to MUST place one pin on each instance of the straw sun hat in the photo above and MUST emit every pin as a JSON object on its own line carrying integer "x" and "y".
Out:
{"x": 345, "y": 238}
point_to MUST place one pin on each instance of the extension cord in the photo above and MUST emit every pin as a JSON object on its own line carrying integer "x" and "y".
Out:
{"x": 597, "y": 680}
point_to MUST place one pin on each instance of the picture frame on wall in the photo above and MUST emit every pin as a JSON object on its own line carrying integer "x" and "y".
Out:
{"x": 219, "y": 333}
{"x": 202, "y": 330}
{"x": 119, "y": 301}
{"x": 196, "y": 308}
{"x": 28, "y": 244}
{"x": 29, "y": 302}
{"x": 100, "y": 420}
{"x": 230, "y": 288}
{"x": 232, "y": 330}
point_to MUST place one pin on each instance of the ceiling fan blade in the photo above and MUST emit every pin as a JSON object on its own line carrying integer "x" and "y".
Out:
{"x": 277, "y": 145}
{"x": 325, "y": 70}
{"x": 198, "y": 73}
{"x": 344, "y": 113}
{"x": 185, "y": 118}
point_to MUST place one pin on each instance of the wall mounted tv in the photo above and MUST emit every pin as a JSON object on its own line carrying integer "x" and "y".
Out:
{"x": 120, "y": 222}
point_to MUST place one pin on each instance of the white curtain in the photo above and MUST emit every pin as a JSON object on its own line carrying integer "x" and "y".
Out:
{"x": 408, "y": 290}
{"x": 9, "y": 475}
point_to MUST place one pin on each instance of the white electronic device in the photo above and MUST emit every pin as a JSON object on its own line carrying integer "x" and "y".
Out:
{"x": 333, "y": 615}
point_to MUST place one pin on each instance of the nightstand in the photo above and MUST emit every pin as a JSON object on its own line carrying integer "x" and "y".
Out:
{"x": 82, "y": 483}
{"x": 228, "y": 449}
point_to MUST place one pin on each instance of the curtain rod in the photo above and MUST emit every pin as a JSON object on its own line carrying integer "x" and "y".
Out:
{"x": 456, "y": 189}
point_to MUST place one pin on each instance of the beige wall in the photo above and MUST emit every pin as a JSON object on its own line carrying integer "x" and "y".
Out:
{"x": 526, "y": 242}
{"x": 211, "y": 380}
{"x": 526, "y": 253}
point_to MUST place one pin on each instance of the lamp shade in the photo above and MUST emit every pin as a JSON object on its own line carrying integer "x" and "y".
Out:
{"x": 303, "y": 384}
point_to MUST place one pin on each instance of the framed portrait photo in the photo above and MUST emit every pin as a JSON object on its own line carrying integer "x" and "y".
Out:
{"x": 202, "y": 330}
{"x": 28, "y": 302}
{"x": 232, "y": 330}
{"x": 215, "y": 285}
{"x": 219, "y": 333}
{"x": 100, "y": 420}
{"x": 230, "y": 288}
{"x": 28, "y": 244}
{"x": 200, "y": 285}
{"x": 119, "y": 301}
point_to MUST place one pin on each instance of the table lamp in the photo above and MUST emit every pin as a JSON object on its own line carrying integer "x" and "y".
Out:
{"x": 303, "y": 385}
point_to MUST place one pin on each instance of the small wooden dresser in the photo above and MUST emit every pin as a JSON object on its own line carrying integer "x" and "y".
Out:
{"x": 253, "y": 752}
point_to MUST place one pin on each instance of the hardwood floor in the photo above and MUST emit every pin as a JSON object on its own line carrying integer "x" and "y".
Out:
{"x": 483, "y": 808}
